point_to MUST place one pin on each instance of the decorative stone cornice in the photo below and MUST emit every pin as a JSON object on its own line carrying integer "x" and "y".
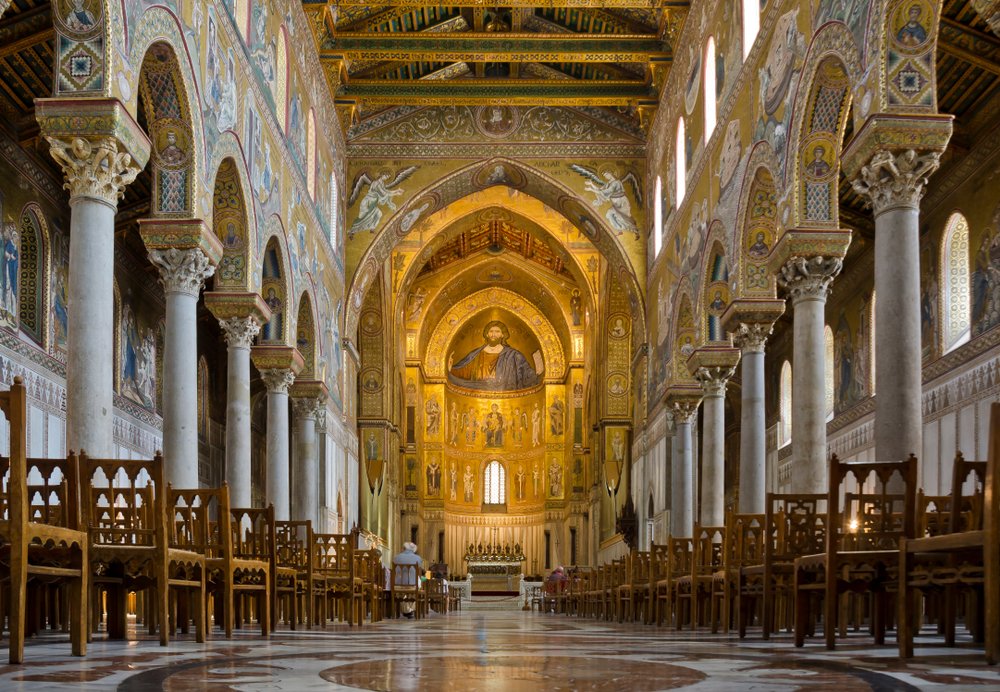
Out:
{"x": 682, "y": 401}
{"x": 809, "y": 278}
{"x": 712, "y": 366}
{"x": 98, "y": 169}
{"x": 895, "y": 180}
{"x": 277, "y": 380}
{"x": 96, "y": 142}
{"x": 181, "y": 234}
{"x": 240, "y": 331}
{"x": 182, "y": 271}
{"x": 276, "y": 357}
{"x": 236, "y": 309}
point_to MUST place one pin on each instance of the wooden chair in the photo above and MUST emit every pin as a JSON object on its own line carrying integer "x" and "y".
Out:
{"x": 369, "y": 568}
{"x": 679, "y": 551}
{"x": 437, "y": 596}
{"x": 130, "y": 545}
{"x": 866, "y": 559}
{"x": 293, "y": 582}
{"x": 404, "y": 585}
{"x": 334, "y": 558}
{"x": 744, "y": 546}
{"x": 660, "y": 582}
{"x": 967, "y": 557}
{"x": 693, "y": 587}
{"x": 40, "y": 531}
{"x": 632, "y": 594}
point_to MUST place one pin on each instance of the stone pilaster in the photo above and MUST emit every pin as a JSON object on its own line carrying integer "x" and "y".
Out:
{"x": 888, "y": 162}
{"x": 100, "y": 149}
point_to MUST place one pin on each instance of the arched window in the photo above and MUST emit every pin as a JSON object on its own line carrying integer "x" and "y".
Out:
{"x": 311, "y": 154}
{"x": 751, "y": 24}
{"x": 203, "y": 396}
{"x": 785, "y": 404}
{"x": 334, "y": 213}
{"x": 828, "y": 371}
{"x": 680, "y": 163}
{"x": 709, "y": 73}
{"x": 658, "y": 218}
{"x": 956, "y": 325}
{"x": 30, "y": 288}
{"x": 494, "y": 484}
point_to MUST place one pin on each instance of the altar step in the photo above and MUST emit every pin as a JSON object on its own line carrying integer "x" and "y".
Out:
{"x": 492, "y": 603}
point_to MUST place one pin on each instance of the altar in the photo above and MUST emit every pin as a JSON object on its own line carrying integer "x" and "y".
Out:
{"x": 495, "y": 569}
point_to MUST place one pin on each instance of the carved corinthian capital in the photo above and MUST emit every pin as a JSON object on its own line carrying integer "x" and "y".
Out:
{"x": 277, "y": 380}
{"x": 750, "y": 337}
{"x": 684, "y": 411}
{"x": 895, "y": 180}
{"x": 98, "y": 169}
{"x": 306, "y": 407}
{"x": 182, "y": 271}
{"x": 240, "y": 331}
{"x": 713, "y": 380}
{"x": 809, "y": 278}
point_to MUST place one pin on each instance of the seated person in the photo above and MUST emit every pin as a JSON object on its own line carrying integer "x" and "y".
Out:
{"x": 408, "y": 557}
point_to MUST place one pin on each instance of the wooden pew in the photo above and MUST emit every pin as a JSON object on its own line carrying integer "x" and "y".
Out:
{"x": 333, "y": 554}
{"x": 693, "y": 586}
{"x": 968, "y": 556}
{"x": 132, "y": 548}
{"x": 41, "y": 530}
{"x": 862, "y": 561}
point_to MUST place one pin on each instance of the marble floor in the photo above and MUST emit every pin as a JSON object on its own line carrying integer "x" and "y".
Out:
{"x": 494, "y": 650}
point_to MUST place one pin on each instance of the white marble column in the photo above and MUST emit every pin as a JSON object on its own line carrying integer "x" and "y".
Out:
{"x": 894, "y": 183}
{"x": 277, "y": 381}
{"x": 682, "y": 489}
{"x": 240, "y": 333}
{"x": 96, "y": 175}
{"x": 807, "y": 282}
{"x": 183, "y": 273}
{"x": 305, "y": 476}
{"x": 750, "y": 339}
{"x": 713, "y": 445}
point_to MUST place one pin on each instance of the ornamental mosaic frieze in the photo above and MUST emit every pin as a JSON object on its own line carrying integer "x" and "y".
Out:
{"x": 98, "y": 169}
{"x": 182, "y": 271}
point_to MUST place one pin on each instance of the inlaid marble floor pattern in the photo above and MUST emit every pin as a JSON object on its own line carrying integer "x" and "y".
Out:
{"x": 492, "y": 650}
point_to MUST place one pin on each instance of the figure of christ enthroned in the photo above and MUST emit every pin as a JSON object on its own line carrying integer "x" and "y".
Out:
{"x": 495, "y": 366}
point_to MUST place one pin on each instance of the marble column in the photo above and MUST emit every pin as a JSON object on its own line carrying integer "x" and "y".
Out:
{"x": 713, "y": 446}
{"x": 807, "y": 282}
{"x": 183, "y": 273}
{"x": 278, "y": 381}
{"x": 97, "y": 167}
{"x": 240, "y": 316}
{"x": 750, "y": 339}
{"x": 239, "y": 333}
{"x": 894, "y": 184}
{"x": 682, "y": 400}
{"x": 308, "y": 398}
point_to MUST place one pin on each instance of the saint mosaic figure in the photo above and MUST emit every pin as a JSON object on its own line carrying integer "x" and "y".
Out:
{"x": 470, "y": 481}
{"x": 494, "y": 366}
{"x": 556, "y": 416}
{"x": 433, "y": 412}
{"x": 493, "y": 427}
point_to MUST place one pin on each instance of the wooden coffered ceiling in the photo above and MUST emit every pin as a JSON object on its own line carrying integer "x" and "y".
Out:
{"x": 495, "y": 52}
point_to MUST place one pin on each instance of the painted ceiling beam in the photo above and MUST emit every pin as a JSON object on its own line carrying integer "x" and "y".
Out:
{"x": 490, "y": 47}
{"x": 577, "y": 4}
{"x": 498, "y": 92}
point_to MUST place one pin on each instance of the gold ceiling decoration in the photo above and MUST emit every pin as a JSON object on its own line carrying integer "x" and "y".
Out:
{"x": 568, "y": 53}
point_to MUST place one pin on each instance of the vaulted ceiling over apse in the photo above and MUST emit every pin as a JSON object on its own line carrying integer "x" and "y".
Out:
{"x": 380, "y": 56}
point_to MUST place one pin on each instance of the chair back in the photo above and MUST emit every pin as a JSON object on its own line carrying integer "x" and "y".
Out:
{"x": 292, "y": 541}
{"x": 252, "y": 532}
{"x": 123, "y": 500}
{"x": 707, "y": 552}
{"x": 744, "y": 540}
{"x": 967, "y": 508}
{"x": 879, "y": 514}
{"x": 795, "y": 525}
{"x": 404, "y": 577}
{"x": 333, "y": 554}
{"x": 681, "y": 550}
{"x": 199, "y": 520}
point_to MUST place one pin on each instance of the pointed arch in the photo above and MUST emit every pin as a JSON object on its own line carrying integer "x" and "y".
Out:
{"x": 305, "y": 336}
{"x": 711, "y": 112}
{"x": 311, "y": 153}
{"x": 758, "y": 218}
{"x": 686, "y": 338}
{"x": 281, "y": 76}
{"x": 680, "y": 163}
{"x": 751, "y": 24}
{"x": 785, "y": 404}
{"x": 494, "y": 483}
{"x": 202, "y": 397}
{"x": 956, "y": 296}
{"x": 657, "y": 217}
{"x": 828, "y": 367}
{"x": 229, "y": 220}
{"x": 274, "y": 288}
{"x": 334, "y": 213}
{"x": 30, "y": 279}
{"x": 716, "y": 294}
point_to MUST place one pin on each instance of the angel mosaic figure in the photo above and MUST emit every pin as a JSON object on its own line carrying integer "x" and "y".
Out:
{"x": 612, "y": 189}
{"x": 380, "y": 193}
